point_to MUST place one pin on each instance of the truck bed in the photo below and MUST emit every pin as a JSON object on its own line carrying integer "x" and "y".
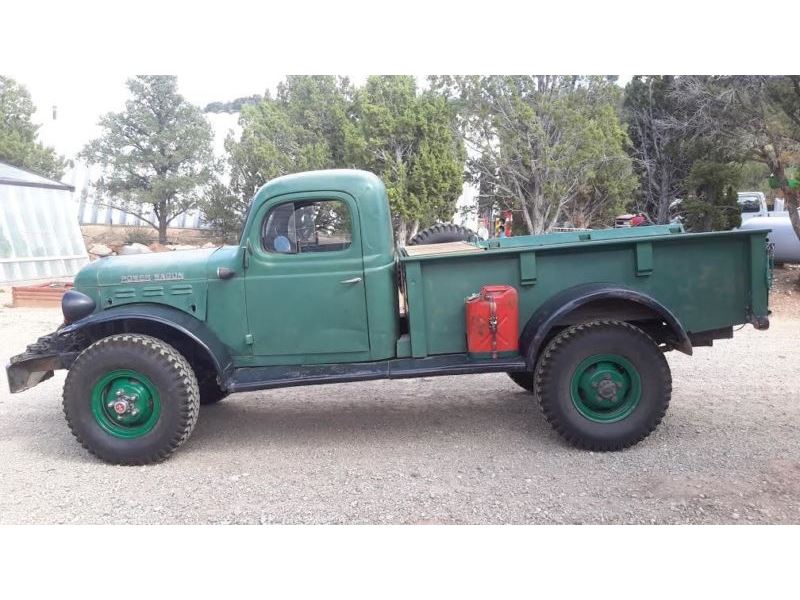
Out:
{"x": 710, "y": 281}
{"x": 447, "y": 248}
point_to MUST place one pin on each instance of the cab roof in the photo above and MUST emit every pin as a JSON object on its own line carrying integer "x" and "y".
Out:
{"x": 355, "y": 182}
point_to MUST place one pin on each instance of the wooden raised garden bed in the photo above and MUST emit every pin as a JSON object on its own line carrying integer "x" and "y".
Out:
{"x": 41, "y": 295}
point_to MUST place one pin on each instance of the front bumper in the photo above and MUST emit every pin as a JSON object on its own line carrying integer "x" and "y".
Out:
{"x": 25, "y": 371}
{"x": 28, "y": 372}
{"x": 37, "y": 363}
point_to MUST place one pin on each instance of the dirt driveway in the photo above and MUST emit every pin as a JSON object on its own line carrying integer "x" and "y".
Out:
{"x": 443, "y": 450}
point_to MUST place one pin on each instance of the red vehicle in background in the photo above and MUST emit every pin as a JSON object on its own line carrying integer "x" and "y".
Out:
{"x": 632, "y": 220}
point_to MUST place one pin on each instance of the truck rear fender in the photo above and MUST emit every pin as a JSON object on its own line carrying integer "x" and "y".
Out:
{"x": 192, "y": 337}
{"x": 600, "y": 301}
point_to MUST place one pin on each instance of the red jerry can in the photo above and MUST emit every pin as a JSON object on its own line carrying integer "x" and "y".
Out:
{"x": 493, "y": 322}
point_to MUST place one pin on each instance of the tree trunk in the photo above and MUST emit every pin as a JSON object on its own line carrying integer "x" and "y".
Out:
{"x": 162, "y": 230}
{"x": 538, "y": 215}
{"x": 401, "y": 235}
{"x": 163, "y": 221}
{"x": 528, "y": 222}
{"x": 414, "y": 229}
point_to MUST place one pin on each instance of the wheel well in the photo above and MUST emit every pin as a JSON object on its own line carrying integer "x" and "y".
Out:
{"x": 198, "y": 356}
{"x": 644, "y": 317}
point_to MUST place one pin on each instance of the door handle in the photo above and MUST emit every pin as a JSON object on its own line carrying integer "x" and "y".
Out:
{"x": 353, "y": 280}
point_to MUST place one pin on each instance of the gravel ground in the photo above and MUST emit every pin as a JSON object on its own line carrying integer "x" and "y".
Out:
{"x": 442, "y": 450}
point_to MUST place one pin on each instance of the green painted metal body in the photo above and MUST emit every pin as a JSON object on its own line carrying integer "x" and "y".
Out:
{"x": 707, "y": 280}
{"x": 295, "y": 309}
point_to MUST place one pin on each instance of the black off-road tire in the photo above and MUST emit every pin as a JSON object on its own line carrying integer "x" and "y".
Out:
{"x": 559, "y": 361}
{"x": 172, "y": 377}
{"x": 210, "y": 392}
{"x": 443, "y": 233}
{"x": 523, "y": 379}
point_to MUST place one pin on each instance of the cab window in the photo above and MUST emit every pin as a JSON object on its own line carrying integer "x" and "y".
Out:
{"x": 307, "y": 226}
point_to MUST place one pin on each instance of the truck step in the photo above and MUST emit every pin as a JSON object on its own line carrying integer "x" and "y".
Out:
{"x": 261, "y": 378}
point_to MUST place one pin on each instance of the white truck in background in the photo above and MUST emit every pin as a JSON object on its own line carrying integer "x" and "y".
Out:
{"x": 756, "y": 215}
{"x": 754, "y": 204}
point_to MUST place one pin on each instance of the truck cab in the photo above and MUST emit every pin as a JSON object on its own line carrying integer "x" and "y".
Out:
{"x": 321, "y": 283}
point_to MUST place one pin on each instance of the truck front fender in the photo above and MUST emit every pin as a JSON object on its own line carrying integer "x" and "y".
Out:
{"x": 169, "y": 321}
{"x": 540, "y": 326}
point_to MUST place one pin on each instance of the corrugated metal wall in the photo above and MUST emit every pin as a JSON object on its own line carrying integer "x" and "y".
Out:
{"x": 39, "y": 234}
{"x": 92, "y": 212}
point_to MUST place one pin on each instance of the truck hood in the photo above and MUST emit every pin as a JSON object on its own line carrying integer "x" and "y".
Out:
{"x": 178, "y": 265}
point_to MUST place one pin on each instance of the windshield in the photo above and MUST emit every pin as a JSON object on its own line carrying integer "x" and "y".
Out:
{"x": 750, "y": 205}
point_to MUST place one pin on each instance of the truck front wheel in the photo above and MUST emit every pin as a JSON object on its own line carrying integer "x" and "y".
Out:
{"x": 603, "y": 385}
{"x": 131, "y": 399}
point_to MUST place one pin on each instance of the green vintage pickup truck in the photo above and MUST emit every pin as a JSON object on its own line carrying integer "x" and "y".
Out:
{"x": 316, "y": 292}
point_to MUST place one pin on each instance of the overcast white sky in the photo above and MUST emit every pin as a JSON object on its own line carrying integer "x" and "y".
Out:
{"x": 82, "y": 98}
{"x": 76, "y": 55}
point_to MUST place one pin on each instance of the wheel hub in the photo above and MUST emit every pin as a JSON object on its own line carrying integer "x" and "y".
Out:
{"x": 605, "y": 388}
{"x": 125, "y": 403}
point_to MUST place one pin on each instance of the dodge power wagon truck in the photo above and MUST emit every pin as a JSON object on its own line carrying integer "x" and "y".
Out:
{"x": 316, "y": 292}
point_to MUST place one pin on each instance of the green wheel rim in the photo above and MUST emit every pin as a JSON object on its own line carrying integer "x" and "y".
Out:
{"x": 605, "y": 388}
{"x": 125, "y": 403}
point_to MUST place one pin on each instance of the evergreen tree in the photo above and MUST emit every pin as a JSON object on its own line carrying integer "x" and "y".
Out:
{"x": 410, "y": 142}
{"x": 657, "y": 148}
{"x": 552, "y": 147}
{"x": 157, "y": 154}
{"x": 323, "y": 122}
{"x": 713, "y": 201}
{"x": 18, "y": 134}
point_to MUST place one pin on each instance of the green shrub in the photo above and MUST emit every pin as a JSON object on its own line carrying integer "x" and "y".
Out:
{"x": 140, "y": 235}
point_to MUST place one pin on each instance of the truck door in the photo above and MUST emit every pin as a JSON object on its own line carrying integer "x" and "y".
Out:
{"x": 304, "y": 284}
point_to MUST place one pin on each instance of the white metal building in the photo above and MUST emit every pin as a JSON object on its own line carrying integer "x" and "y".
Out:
{"x": 94, "y": 210}
{"x": 39, "y": 233}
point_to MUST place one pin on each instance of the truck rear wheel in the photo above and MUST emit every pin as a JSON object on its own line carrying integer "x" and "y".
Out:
{"x": 131, "y": 399}
{"x": 523, "y": 379}
{"x": 443, "y": 233}
{"x": 603, "y": 385}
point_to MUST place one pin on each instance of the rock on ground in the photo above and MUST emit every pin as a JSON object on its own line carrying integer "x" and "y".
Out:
{"x": 100, "y": 250}
{"x": 135, "y": 248}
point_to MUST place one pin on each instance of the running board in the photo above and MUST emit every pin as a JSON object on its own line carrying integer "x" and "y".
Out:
{"x": 245, "y": 379}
